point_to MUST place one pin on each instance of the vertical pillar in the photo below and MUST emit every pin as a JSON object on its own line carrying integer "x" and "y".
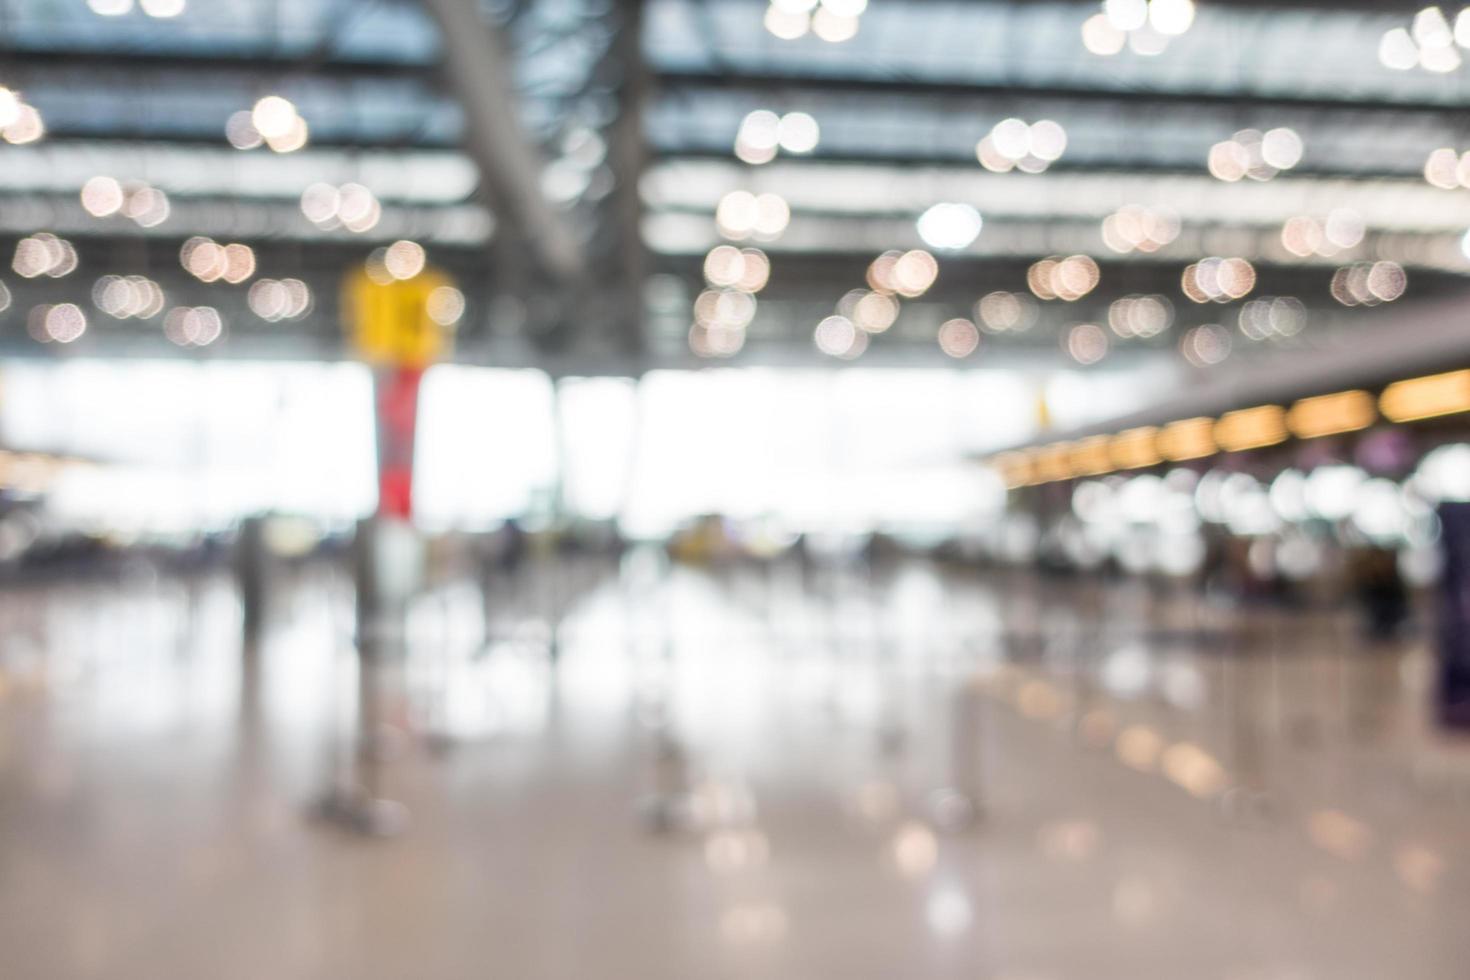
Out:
{"x": 387, "y": 568}
{"x": 1454, "y": 617}
{"x": 397, "y": 396}
{"x": 250, "y": 571}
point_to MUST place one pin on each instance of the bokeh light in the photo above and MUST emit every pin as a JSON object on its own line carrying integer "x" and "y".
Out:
{"x": 958, "y": 337}
{"x": 404, "y": 259}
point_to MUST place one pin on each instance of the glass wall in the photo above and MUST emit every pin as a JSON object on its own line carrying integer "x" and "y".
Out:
{"x": 180, "y": 446}
{"x": 173, "y": 446}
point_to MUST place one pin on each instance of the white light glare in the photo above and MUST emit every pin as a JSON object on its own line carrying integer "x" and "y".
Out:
{"x": 785, "y": 24}
{"x": 1101, "y": 37}
{"x": 1172, "y": 17}
{"x": 950, "y": 226}
{"x": 797, "y": 132}
{"x": 1398, "y": 51}
{"x": 163, "y": 9}
{"x": 1126, "y": 15}
{"x": 274, "y": 117}
{"x": 1431, "y": 30}
{"x": 832, "y": 27}
{"x": 9, "y": 107}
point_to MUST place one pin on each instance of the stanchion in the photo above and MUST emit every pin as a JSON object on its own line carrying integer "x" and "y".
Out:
{"x": 389, "y": 324}
{"x": 956, "y": 806}
{"x": 665, "y": 807}
{"x": 386, "y": 556}
{"x": 1248, "y": 802}
{"x": 250, "y": 574}
{"x": 892, "y": 731}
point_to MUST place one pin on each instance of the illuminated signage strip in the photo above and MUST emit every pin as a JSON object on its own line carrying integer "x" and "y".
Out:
{"x": 1411, "y": 400}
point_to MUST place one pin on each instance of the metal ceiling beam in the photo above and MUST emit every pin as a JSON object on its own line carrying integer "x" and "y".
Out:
{"x": 478, "y": 67}
{"x": 960, "y": 90}
{"x": 212, "y": 137}
{"x": 23, "y": 63}
{"x": 627, "y": 158}
{"x": 438, "y": 226}
{"x": 1403, "y": 205}
{"x": 474, "y": 62}
{"x": 907, "y": 158}
{"x": 273, "y": 62}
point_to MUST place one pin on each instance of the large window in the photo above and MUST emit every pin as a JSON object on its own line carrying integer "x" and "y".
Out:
{"x": 486, "y": 446}
{"x": 185, "y": 445}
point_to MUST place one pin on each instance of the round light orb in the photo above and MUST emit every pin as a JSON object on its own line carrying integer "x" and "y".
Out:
{"x": 874, "y": 312}
{"x": 1430, "y": 29}
{"x": 833, "y": 28}
{"x": 404, "y": 259}
{"x": 760, "y": 130}
{"x": 958, "y": 338}
{"x": 1281, "y": 148}
{"x": 267, "y": 299}
{"x": 239, "y": 263}
{"x": 274, "y": 117}
{"x": 1011, "y": 138}
{"x": 298, "y": 298}
{"x": 1087, "y": 343}
{"x": 102, "y": 196}
{"x": 1397, "y": 50}
{"x": 241, "y": 132}
{"x": 357, "y": 208}
{"x": 772, "y": 215}
{"x": 950, "y": 226}
{"x": 445, "y": 305}
{"x": 724, "y": 265}
{"x": 992, "y": 159}
{"x": 787, "y": 25}
{"x": 294, "y": 138}
{"x": 753, "y": 155}
{"x": 1101, "y": 37}
{"x": 798, "y": 132}
{"x": 1171, "y": 17}
{"x": 1048, "y": 140}
{"x": 756, "y": 270}
{"x": 736, "y": 214}
{"x": 163, "y": 9}
{"x": 10, "y": 104}
{"x": 914, "y": 272}
{"x": 1126, "y": 15}
{"x": 28, "y": 126}
{"x": 319, "y": 202}
{"x": 65, "y": 323}
{"x": 835, "y": 336}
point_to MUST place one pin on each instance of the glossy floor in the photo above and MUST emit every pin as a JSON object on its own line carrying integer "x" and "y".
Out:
{"x": 1167, "y": 790}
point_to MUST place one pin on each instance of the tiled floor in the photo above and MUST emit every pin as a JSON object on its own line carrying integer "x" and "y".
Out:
{"x": 1168, "y": 791}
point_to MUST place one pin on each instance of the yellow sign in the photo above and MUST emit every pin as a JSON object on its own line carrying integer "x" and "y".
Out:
{"x": 389, "y": 320}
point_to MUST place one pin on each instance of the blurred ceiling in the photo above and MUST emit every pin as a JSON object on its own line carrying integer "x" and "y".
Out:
{"x": 564, "y": 160}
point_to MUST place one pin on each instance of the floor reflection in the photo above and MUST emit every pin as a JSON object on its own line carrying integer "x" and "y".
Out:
{"x": 772, "y": 771}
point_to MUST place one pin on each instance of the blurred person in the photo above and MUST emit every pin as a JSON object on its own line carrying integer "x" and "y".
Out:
{"x": 1380, "y": 591}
